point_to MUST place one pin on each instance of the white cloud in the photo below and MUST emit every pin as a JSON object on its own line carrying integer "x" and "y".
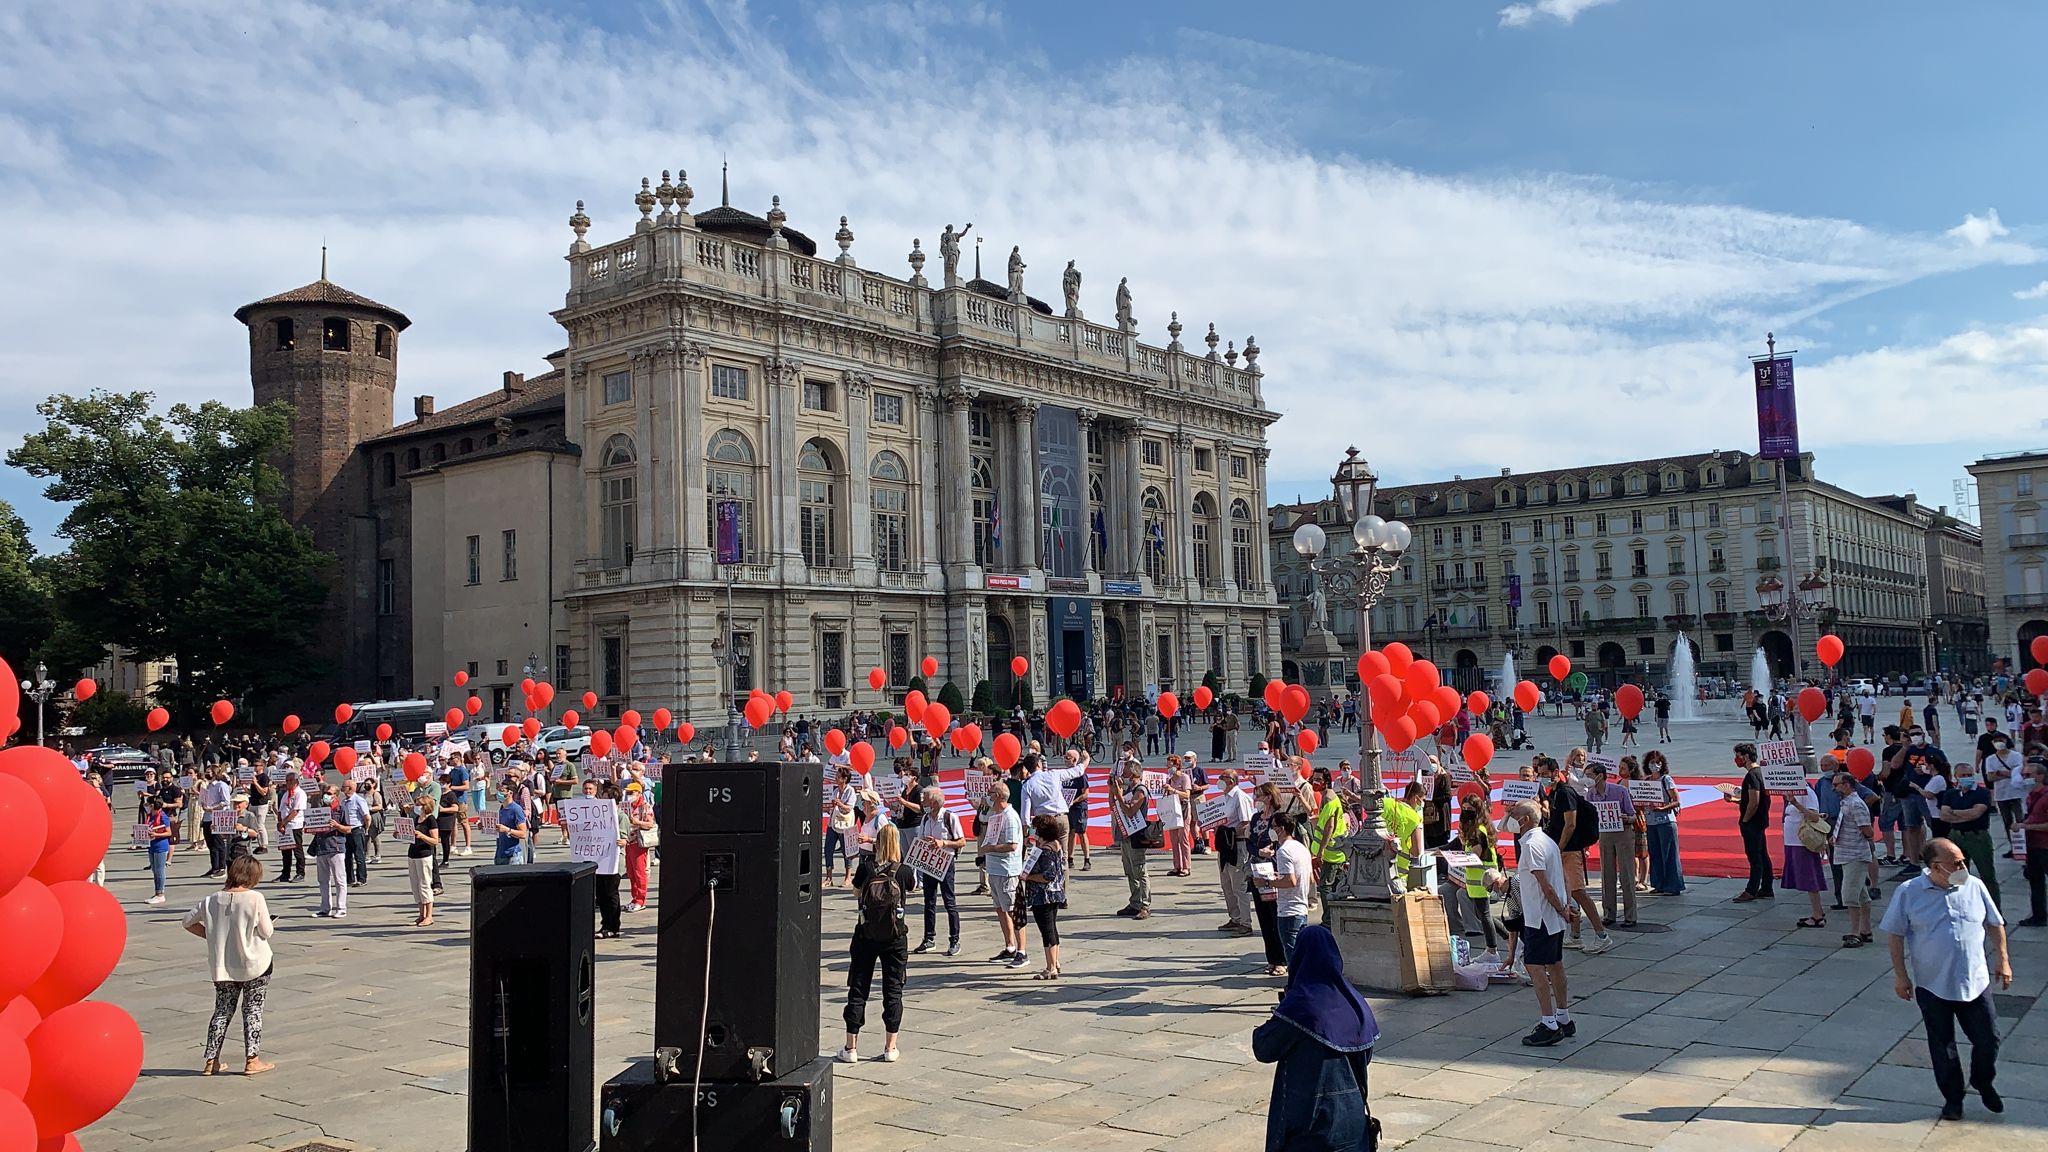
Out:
{"x": 188, "y": 162}
{"x": 2037, "y": 292}
{"x": 1562, "y": 11}
{"x": 1977, "y": 231}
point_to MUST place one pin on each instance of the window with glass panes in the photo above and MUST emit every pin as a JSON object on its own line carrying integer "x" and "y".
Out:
{"x": 729, "y": 475}
{"x": 817, "y": 492}
{"x": 1156, "y": 541}
{"x": 475, "y": 573}
{"x": 1241, "y": 569}
{"x": 889, "y": 495}
{"x": 888, "y": 408}
{"x": 728, "y": 382}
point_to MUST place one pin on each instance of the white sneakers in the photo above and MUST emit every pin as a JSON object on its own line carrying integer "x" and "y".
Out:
{"x": 1599, "y": 944}
{"x": 849, "y": 1056}
{"x": 888, "y": 1056}
{"x": 156, "y": 899}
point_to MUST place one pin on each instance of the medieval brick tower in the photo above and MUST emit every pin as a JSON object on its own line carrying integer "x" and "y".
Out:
{"x": 333, "y": 356}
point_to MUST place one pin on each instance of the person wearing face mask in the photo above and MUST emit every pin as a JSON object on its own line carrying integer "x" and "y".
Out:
{"x": 2001, "y": 769}
{"x": 2034, "y": 826}
{"x": 1943, "y": 919}
{"x": 1965, "y": 807}
{"x": 1909, "y": 768}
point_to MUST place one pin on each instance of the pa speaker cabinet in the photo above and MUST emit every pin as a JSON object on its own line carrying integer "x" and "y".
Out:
{"x": 750, "y": 834}
{"x": 793, "y": 1113}
{"x": 532, "y": 1007}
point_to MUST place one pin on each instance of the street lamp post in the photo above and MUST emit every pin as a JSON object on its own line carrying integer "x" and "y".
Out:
{"x": 41, "y": 689}
{"x": 1360, "y": 577}
{"x": 1808, "y": 599}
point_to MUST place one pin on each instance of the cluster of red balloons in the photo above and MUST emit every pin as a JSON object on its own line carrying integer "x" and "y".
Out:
{"x": 1289, "y": 700}
{"x": 65, "y": 1061}
{"x": 1409, "y": 697}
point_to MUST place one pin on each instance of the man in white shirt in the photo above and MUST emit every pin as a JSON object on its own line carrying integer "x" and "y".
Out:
{"x": 1232, "y": 845}
{"x": 215, "y": 798}
{"x": 1546, "y": 912}
{"x": 1002, "y": 850}
{"x": 1045, "y": 791}
{"x": 1293, "y": 874}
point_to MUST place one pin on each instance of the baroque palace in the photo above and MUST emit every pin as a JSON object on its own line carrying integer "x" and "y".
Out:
{"x": 755, "y": 467}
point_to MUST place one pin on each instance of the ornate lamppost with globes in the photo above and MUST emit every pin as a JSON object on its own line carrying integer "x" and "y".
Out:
{"x": 1361, "y": 578}
{"x": 40, "y": 690}
{"x": 1808, "y": 601}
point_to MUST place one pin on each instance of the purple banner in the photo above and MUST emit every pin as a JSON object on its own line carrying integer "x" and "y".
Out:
{"x": 731, "y": 548}
{"x": 1777, "y": 411}
{"x": 1515, "y": 591}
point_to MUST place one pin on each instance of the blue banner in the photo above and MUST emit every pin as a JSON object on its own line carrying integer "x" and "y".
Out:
{"x": 1777, "y": 411}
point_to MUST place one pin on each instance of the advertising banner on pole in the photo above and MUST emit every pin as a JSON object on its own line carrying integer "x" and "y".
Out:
{"x": 1777, "y": 410}
{"x": 731, "y": 548}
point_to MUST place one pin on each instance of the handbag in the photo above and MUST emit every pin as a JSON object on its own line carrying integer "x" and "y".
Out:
{"x": 1152, "y": 836}
{"x": 1814, "y": 832}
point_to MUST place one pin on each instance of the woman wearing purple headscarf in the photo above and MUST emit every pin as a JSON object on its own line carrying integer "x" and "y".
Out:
{"x": 1319, "y": 1040}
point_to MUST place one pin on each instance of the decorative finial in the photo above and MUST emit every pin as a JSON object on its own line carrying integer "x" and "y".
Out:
{"x": 776, "y": 216}
{"x": 724, "y": 184}
{"x": 323, "y": 261}
{"x": 1173, "y": 331}
{"x": 1230, "y": 354}
{"x": 977, "y": 257}
{"x": 666, "y": 193}
{"x": 579, "y": 224}
{"x": 845, "y": 239}
{"x": 684, "y": 193}
{"x": 1211, "y": 340}
{"x": 644, "y": 200}
{"x": 1251, "y": 353}
{"x": 917, "y": 262}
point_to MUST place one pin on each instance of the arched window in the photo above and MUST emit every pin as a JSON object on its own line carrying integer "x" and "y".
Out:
{"x": 281, "y": 328}
{"x": 465, "y": 446}
{"x": 1157, "y": 565}
{"x": 618, "y": 501}
{"x": 981, "y": 482}
{"x": 438, "y": 453}
{"x": 729, "y": 475}
{"x": 1098, "y": 528}
{"x": 889, "y": 495}
{"x": 1242, "y": 568}
{"x": 817, "y": 493}
{"x": 1202, "y": 528}
{"x": 386, "y": 340}
{"x": 412, "y": 459}
{"x": 334, "y": 334}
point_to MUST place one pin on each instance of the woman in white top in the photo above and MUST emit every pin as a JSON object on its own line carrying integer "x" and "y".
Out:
{"x": 235, "y": 923}
{"x": 1172, "y": 808}
{"x": 1805, "y": 871}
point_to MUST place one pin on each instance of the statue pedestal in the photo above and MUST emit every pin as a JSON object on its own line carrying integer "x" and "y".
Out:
{"x": 1322, "y": 652}
{"x": 1380, "y": 957}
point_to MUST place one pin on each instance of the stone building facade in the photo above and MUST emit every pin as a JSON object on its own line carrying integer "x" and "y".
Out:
{"x": 2010, "y": 489}
{"x": 913, "y": 469}
{"x": 1613, "y": 564}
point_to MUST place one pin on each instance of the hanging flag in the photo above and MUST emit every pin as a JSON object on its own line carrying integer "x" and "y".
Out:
{"x": 995, "y": 523}
{"x": 1101, "y": 531}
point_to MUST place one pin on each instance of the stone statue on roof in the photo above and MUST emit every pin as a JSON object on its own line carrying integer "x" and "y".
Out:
{"x": 1124, "y": 322}
{"x": 949, "y": 252}
{"x": 1016, "y": 275}
{"x": 1070, "y": 286}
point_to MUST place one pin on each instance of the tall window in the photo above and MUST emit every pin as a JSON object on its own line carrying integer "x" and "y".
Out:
{"x": 510, "y": 559}
{"x": 729, "y": 475}
{"x": 612, "y": 667}
{"x": 1153, "y": 452}
{"x": 728, "y": 382}
{"x": 1678, "y": 605}
{"x": 334, "y": 334}
{"x": 282, "y": 329}
{"x": 1098, "y": 527}
{"x": 832, "y": 660}
{"x": 618, "y": 504}
{"x": 618, "y": 387}
{"x": 1156, "y": 566}
{"x": 817, "y": 492}
{"x": 981, "y": 482}
{"x": 899, "y": 659}
{"x": 474, "y": 573}
{"x": 387, "y": 587}
{"x": 386, "y": 343}
{"x": 1201, "y": 526}
{"x": 889, "y": 495}
{"x": 1635, "y": 521}
{"x": 1543, "y": 613}
{"x": 817, "y": 396}
{"x": 1241, "y": 569}
{"x": 1642, "y": 605}
{"x": 1721, "y": 600}
{"x": 1571, "y": 610}
{"x": 742, "y": 663}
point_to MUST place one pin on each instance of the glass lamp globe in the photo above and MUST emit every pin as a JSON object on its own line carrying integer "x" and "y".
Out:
{"x": 1369, "y": 532}
{"x": 1398, "y": 536}
{"x": 1309, "y": 540}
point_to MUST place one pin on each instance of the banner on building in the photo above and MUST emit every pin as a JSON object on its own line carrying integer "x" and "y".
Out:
{"x": 731, "y": 547}
{"x": 1514, "y": 590}
{"x": 1777, "y": 411}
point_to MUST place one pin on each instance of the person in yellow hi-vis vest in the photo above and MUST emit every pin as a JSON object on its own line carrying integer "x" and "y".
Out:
{"x": 1403, "y": 820}
{"x": 1325, "y": 835}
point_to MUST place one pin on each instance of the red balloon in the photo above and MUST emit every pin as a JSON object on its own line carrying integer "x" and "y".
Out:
{"x": 662, "y": 719}
{"x": 897, "y": 736}
{"x": 1371, "y": 664}
{"x": 686, "y": 732}
{"x": 1527, "y": 695}
{"x": 1169, "y": 705}
{"x": 1829, "y": 649}
{"x": 530, "y": 726}
{"x": 864, "y": 756}
{"x": 17, "y": 1123}
{"x": 1274, "y": 692}
{"x": 32, "y": 922}
{"x": 1425, "y": 716}
{"x": 473, "y": 704}
{"x": 1064, "y": 718}
{"x": 1478, "y": 751}
{"x": 1628, "y": 700}
{"x": 1398, "y": 656}
{"x": 929, "y": 666}
{"x": 1203, "y": 697}
{"x": 1307, "y": 740}
{"x": 759, "y": 711}
{"x": 83, "y": 690}
{"x": 82, "y": 1060}
{"x": 1813, "y": 704}
{"x": 1400, "y": 734}
{"x": 1007, "y": 749}
{"x": 56, "y": 784}
{"x": 835, "y": 741}
{"x": 2038, "y": 649}
{"x": 158, "y": 717}
{"x": 1421, "y": 677}
{"x": 1447, "y": 701}
{"x": 453, "y": 719}
{"x": 937, "y": 717}
{"x": 526, "y": 686}
{"x": 629, "y": 716}
{"x": 415, "y": 765}
{"x": 383, "y": 731}
{"x": 545, "y": 693}
{"x": 913, "y": 706}
{"x": 1385, "y": 692}
{"x": 65, "y": 1143}
{"x": 960, "y": 739}
{"x": 95, "y": 930}
{"x": 317, "y": 752}
{"x": 344, "y": 759}
{"x": 1019, "y": 666}
{"x": 1560, "y": 666}
{"x": 461, "y": 678}
{"x": 589, "y": 701}
{"x": 625, "y": 737}
{"x": 19, "y": 1018}
{"x": 73, "y": 851}
{"x": 21, "y": 815}
{"x": 570, "y": 719}
{"x": 508, "y": 735}
{"x": 1295, "y": 704}
{"x": 783, "y": 700}
{"x": 14, "y": 1073}
{"x": 600, "y": 743}
{"x": 1862, "y": 761}
{"x": 2036, "y": 681}
{"x": 223, "y": 711}
{"x": 876, "y": 679}
{"x": 342, "y": 712}
{"x": 1478, "y": 702}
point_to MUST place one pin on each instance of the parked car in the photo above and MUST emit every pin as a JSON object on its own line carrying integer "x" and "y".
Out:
{"x": 489, "y": 739}
{"x": 575, "y": 741}
{"x": 119, "y": 764}
{"x": 1862, "y": 686}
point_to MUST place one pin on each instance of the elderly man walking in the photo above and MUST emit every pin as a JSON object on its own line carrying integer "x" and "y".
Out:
{"x": 1547, "y": 908}
{"x": 1941, "y": 919}
{"x": 1232, "y": 848}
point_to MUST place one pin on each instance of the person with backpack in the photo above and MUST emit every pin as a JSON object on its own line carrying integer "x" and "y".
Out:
{"x": 879, "y": 936}
{"x": 1326, "y": 834}
{"x": 1574, "y": 824}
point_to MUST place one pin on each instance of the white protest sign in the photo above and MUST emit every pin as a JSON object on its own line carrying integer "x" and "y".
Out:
{"x": 362, "y": 747}
{"x": 319, "y": 819}
{"x": 1267, "y": 768}
{"x": 1645, "y": 791}
{"x": 362, "y": 772}
{"x": 402, "y": 830}
{"x": 1213, "y": 811}
{"x": 140, "y": 833}
{"x": 1612, "y": 765}
{"x": 1459, "y": 859}
{"x": 1461, "y": 773}
{"x": 436, "y": 729}
{"x": 221, "y": 823}
{"x": 1516, "y": 791}
{"x": 1031, "y": 857}
{"x": 1154, "y": 781}
{"x": 245, "y": 775}
{"x": 1777, "y": 752}
{"x": 929, "y": 858}
{"x": 977, "y": 783}
{"x": 455, "y": 747}
{"x": 889, "y": 787}
{"x": 1410, "y": 761}
{"x": 593, "y": 831}
{"x": 1782, "y": 778}
{"x": 1132, "y": 823}
{"x": 1610, "y": 815}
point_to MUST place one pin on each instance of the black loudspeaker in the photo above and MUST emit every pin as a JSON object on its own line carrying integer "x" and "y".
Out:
{"x": 792, "y": 1113}
{"x": 752, "y": 833}
{"x": 532, "y": 1007}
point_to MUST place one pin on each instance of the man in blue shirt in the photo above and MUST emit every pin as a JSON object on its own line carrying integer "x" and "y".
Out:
{"x": 458, "y": 782}
{"x": 1942, "y": 919}
{"x": 511, "y": 831}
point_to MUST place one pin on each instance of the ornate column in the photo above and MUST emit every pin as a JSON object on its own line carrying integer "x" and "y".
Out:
{"x": 1183, "y": 540}
{"x": 1085, "y": 419}
{"x": 688, "y": 402}
{"x": 648, "y": 529}
{"x": 1262, "y": 529}
{"x": 959, "y": 511}
{"x": 1128, "y": 501}
{"x": 785, "y": 375}
{"x": 1024, "y": 442}
{"x": 860, "y": 528}
{"x": 1226, "y": 546}
{"x": 934, "y": 483}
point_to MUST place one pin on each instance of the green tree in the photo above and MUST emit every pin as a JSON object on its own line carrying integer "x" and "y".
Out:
{"x": 949, "y": 695}
{"x": 984, "y": 698}
{"x": 110, "y": 714}
{"x": 1258, "y": 685}
{"x": 28, "y": 610}
{"x": 917, "y": 685}
{"x": 178, "y": 549}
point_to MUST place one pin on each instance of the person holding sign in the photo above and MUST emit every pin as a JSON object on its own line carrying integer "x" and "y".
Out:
{"x": 1128, "y": 803}
{"x": 878, "y": 938}
{"x": 1002, "y": 852}
{"x": 1617, "y": 815}
{"x": 1753, "y": 819}
{"x": 1233, "y": 829}
{"x": 1045, "y": 888}
{"x": 1293, "y": 873}
{"x": 419, "y": 855}
{"x": 1804, "y": 871}
{"x": 159, "y": 831}
{"x": 1172, "y": 807}
{"x": 940, "y": 828}
{"x": 329, "y": 823}
{"x": 1546, "y": 910}
{"x": 1660, "y": 826}
{"x": 641, "y": 836}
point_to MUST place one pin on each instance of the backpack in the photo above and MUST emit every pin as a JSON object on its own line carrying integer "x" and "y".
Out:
{"x": 1586, "y": 830}
{"x": 881, "y": 903}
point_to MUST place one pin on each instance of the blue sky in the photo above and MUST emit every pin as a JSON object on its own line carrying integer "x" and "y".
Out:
{"x": 1466, "y": 235}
